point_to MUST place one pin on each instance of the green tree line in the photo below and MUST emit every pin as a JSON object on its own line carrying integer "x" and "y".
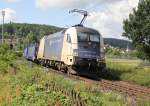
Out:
{"x": 23, "y": 30}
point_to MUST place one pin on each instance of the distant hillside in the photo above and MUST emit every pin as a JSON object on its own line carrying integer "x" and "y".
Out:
{"x": 118, "y": 43}
{"x": 20, "y": 30}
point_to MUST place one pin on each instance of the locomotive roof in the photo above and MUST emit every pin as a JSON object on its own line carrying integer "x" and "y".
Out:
{"x": 86, "y": 29}
{"x": 78, "y": 28}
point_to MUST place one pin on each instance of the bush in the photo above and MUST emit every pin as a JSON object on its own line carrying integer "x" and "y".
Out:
{"x": 7, "y": 57}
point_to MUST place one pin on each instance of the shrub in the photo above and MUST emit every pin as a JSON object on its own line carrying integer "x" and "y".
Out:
{"x": 7, "y": 57}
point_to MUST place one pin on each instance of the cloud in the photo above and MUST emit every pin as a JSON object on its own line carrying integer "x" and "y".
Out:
{"x": 65, "y": 4}
{"x": 107, "y": 17}
{"x": 110, "y": 21}
{"x": 10, "y": 15}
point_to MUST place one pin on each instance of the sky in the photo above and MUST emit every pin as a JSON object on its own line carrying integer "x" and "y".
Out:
{"x": 105, "y": 15}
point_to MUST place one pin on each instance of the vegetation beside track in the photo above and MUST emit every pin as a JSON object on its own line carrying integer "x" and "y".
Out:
{"x": 134, "y": 71}
{"x": 34, "y": 86}
{"x": 23, "y": 83}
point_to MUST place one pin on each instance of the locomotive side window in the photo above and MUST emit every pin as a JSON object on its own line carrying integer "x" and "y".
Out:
{"x": 68, "y": 38}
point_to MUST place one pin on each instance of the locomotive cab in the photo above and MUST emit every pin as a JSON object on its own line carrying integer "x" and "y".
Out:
{"x": 83, "y": 47}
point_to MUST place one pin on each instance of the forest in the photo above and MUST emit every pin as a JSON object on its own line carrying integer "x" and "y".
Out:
{"x": 21, "y": 30}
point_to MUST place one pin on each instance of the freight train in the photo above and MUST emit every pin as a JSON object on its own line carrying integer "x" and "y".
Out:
{"x": 69, "y": 50}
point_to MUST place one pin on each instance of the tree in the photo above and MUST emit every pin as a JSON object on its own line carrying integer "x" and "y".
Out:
{"x": 137, "y": 28}
{"x": 10, "y": 30}
{"x": 30, "y": 38}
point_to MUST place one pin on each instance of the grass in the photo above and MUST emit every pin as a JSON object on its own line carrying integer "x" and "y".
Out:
{"x": 24, "y": 85}
{"x": 132, "y": 71}
{"x": 36, "y": 87}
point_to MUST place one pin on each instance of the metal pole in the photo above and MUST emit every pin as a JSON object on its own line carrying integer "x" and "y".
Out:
{"x": 3, "y": 14}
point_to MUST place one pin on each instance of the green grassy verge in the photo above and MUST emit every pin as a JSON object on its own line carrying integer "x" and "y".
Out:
{"x": 23, "y": 85}
{"x": 129, "y": 70}
{"x": 26, "y": 86}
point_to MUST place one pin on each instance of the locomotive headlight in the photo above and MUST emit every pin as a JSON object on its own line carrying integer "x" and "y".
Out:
{"x": 75, "y": 52}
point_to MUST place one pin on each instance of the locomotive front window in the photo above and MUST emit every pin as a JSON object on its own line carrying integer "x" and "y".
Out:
{"x": 94, "y": 38}
{"x": 82, "y": 37}
{"x": 86, "y": 37}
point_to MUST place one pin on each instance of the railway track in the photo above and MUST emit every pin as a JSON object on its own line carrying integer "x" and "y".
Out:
{"x": 126, "y": 88}
{"x": 121, "y": 87}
